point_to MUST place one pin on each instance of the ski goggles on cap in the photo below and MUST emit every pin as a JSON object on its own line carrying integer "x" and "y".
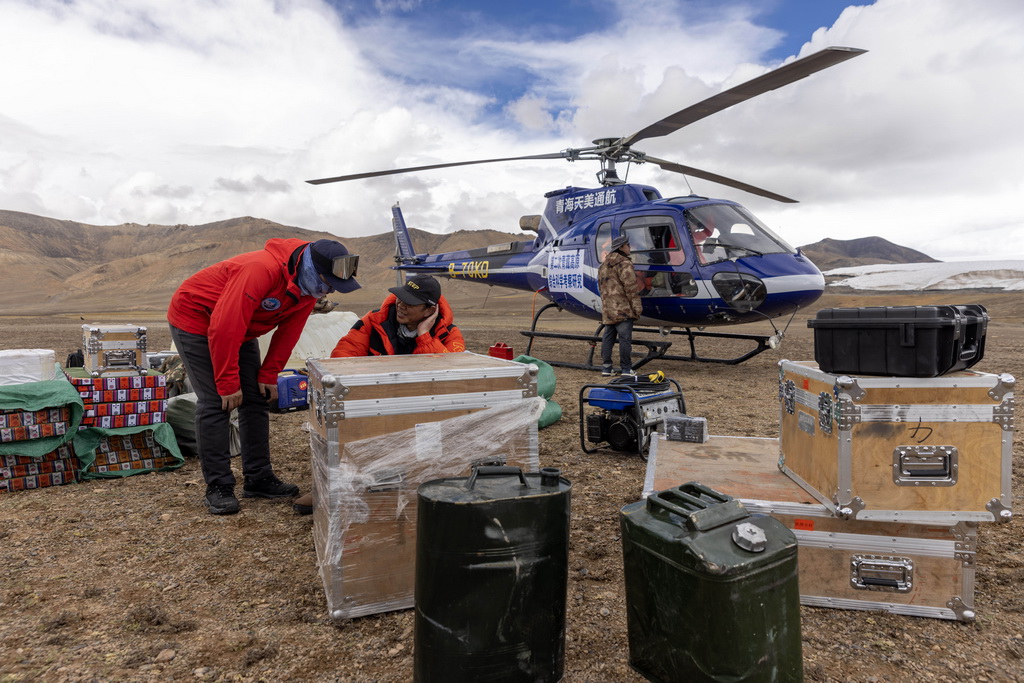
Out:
{"x": 332, "y": 258}
{"x": 344, "y": 267}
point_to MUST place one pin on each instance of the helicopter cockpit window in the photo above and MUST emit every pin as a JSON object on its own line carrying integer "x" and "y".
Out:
{"x": 724, "y": 231}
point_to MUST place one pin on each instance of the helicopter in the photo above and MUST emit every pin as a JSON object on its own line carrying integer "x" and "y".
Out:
{"x": 700, "y": 262}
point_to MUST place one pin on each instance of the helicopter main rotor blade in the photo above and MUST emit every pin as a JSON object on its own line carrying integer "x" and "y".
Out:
{"x": 720, "y": 179}
{"x": 784, "y": 75}
{"x": 410, "y": 169}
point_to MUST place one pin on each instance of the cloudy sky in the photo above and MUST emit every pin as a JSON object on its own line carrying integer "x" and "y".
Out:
{"x": 192, "y": 111}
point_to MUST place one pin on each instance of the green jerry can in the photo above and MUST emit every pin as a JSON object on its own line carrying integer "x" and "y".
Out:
{"x": 492, "y": 565}
{"x": 711, "y": 591}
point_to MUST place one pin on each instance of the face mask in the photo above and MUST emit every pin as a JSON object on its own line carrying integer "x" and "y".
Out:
{"x": 308, "y": 279}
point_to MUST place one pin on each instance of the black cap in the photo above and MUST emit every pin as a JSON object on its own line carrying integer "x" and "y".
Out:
{"x": 619, "y": 241}
{"x": 324, "y": 252}
{"x": 421, "y": 289}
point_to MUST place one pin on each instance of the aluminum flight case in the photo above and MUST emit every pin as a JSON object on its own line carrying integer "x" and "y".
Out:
{"x": 114, "y": 350}
{"x": 914, "y": 569}
{"x": 381, "y": 426}
{"x": 899, "y": 448}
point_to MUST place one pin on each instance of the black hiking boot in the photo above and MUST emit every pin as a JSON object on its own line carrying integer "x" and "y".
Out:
{"x": 221, "y": 499}
{"x": 269, "y": 487}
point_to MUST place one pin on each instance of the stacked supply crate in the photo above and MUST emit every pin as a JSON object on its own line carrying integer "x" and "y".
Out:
{"x": 22, "y": 473}
{"x": 899, "y": 448}
{"x": 112, "y": 402}
{"x": 895, "y": 451}
{"x": 124, "y": 430}
{"x": 923, "y": 569}
{"x": 380, "y": 427}
{"x": 23, "y": 425}
{"x": 139, "y": 451}
{"x": 39, "y": 415}
{"x": 891, "y": 429}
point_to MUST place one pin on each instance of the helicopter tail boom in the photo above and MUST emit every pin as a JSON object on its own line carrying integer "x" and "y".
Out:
{"x": 404, "y": 253}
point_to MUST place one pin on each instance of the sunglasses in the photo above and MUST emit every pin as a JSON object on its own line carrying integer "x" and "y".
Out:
{"x": 344, "y": 267}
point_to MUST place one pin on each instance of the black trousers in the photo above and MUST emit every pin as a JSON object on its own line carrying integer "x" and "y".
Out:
{"x": 213, "y": 424}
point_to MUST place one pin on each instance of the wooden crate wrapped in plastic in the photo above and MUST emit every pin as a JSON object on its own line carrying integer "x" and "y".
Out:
{"x": 380, "y": 427}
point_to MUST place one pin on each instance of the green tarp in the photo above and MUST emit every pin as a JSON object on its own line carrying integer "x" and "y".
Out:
{"x": 87, "y": 440}
{"x": 32, "y": 396}
{"x": 545, "y": 388}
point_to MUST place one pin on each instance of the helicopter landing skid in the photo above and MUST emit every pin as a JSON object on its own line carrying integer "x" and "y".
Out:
{"x": 656, "y": 349}
{"x": 760, "y": 344}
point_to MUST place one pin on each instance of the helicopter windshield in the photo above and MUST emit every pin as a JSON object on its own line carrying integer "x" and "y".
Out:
{"x": 724, "y": 231}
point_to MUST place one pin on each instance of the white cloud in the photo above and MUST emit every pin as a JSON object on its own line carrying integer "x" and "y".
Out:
{"x": 191, "y": 112}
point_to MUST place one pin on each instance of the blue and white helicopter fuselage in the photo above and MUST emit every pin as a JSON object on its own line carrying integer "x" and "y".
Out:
{"x": 699, "y": 262}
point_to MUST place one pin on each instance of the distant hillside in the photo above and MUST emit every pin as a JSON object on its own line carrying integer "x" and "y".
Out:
{"x": 829, "y": 253}
{"x": 55, "y": 266}
{"x": 49, "y": 265}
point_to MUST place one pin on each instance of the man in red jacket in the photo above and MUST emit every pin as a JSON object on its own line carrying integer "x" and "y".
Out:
{"x": 215, "y": 318}
{"x": 414, "y": 318}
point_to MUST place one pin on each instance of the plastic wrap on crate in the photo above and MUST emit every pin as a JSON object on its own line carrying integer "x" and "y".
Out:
{"x": 23, "y": 473}
{"x": 103, "y": 454}
{"x": 398, "y": 462}
{"x": 33, "y": 397}
{"x": 19, "y": 366}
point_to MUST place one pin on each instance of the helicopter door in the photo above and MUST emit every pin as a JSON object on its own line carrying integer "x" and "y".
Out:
{"x": 658, "y": 256}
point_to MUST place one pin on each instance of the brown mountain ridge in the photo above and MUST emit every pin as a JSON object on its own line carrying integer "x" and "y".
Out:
{"x": 829, "y": 253}
{"x": 53, "y": 266}
{"x": 49, "y": 265}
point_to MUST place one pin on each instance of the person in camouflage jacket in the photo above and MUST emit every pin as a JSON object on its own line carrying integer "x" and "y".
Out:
{"x": 620, "y": 305}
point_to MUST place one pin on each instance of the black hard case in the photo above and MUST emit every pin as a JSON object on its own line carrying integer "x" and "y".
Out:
{"x": 899, "y": 341}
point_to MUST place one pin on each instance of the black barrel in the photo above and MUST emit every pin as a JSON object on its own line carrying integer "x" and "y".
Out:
{"x": 492, "y": 553}
{"x": 712, "y": 592}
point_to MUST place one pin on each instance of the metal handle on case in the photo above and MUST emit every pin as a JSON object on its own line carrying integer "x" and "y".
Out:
{"x": 882, "y": 573}
{"x": 919, "y": 465}
{"x": 492, "y": 471}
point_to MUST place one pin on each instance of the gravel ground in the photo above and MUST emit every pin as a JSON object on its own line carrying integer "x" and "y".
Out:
{"x": 131, "y": 580}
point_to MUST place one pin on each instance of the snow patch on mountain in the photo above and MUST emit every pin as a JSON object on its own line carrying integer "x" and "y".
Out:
{"x": 1004, "y": 275}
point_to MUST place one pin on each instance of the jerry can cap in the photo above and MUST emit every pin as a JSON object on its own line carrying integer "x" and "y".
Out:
{"x": 749, "y": 537}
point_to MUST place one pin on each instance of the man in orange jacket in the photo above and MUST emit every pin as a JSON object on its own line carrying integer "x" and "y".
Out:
{"x": 215, "y": 317}
{"x": 414, "y": 318}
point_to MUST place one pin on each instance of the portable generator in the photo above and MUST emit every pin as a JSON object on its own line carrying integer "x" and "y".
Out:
{"x": 626, "y": 411}
{"x": 292, "y": 391}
